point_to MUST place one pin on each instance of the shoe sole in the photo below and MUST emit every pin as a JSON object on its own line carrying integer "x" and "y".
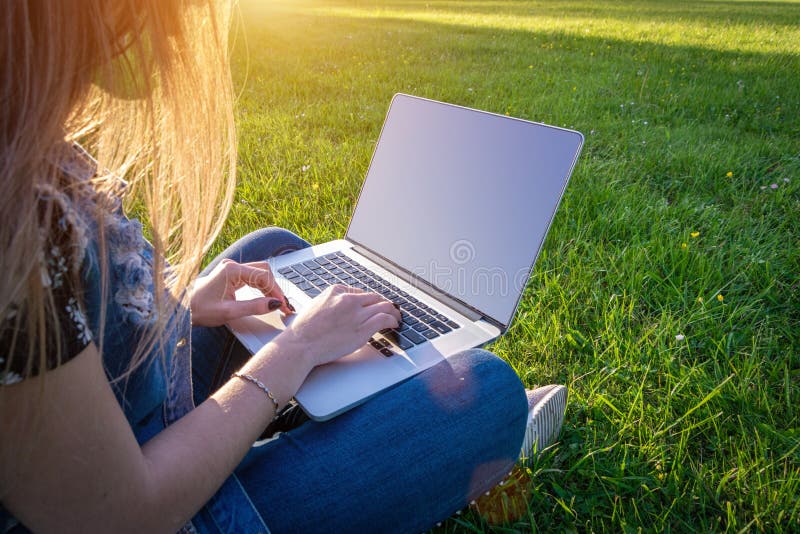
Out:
{"x": 544, "y": 422}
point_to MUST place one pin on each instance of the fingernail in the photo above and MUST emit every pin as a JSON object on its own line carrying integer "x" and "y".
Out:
{"x": 274, "y": 304}
{"x": 396, "y": 305}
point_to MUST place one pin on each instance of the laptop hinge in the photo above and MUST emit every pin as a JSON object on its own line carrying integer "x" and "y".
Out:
{"x": 464, "y": 309}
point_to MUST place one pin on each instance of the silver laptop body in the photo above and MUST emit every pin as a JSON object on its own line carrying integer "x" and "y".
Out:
{"x": 450, "y": 219}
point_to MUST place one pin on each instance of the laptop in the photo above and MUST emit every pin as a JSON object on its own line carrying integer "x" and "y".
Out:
{"x": 452, "y": 214}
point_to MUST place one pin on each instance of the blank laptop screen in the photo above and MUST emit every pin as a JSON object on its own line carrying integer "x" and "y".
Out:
{"x": 463, "y": 199}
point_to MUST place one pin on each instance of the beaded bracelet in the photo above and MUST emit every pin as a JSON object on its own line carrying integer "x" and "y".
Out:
{"x": 262, "y": 387}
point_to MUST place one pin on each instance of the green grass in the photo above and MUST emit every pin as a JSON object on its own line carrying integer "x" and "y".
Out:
{"x": 690, "y": 112}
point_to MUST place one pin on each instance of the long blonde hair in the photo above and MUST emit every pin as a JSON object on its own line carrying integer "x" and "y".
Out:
{"x": 144, "y": 86}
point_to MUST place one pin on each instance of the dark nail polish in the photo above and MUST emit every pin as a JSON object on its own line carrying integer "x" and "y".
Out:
{"x": 274, "y": 304}
{"x": 396, "y": 305}
{"x": 289, "y": 304}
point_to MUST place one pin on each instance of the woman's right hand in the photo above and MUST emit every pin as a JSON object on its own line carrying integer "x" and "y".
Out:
{"x": 340, "y": 320}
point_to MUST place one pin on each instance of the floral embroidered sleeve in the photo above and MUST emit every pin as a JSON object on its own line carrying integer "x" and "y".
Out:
{"x": 60, "y": 272}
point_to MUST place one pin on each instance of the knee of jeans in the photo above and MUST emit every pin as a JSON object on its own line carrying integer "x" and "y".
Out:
{"x": 500, "y": 407}
{"x": 500, "y": 379}
{"x": 287, "y": 241}
{"x": 489, "y": 364}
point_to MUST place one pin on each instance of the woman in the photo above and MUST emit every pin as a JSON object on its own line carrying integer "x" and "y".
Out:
{"x": 124, "y": 403}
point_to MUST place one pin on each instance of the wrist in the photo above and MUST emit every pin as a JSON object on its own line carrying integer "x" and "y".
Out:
{"x": 282, "y": 365}
{"x": 292, "y": 346}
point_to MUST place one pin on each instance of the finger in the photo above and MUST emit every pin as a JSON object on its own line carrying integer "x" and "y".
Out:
{"x": 287, "y": 308}
{"x": 235, "y": 309}
{"x": 359, "y": 302}
{"x": 378, "y": 322}
{"x": 368, "y": 298}
{"x": 258, "y": 264}
{"x": 257, "y": 277}
{"x": 351, "y": 295}
{"x": 260, "y": 277}
{"x": 385, "y": 307}
{"x": 363, "y": 298}
{"x": 341, "y": 288}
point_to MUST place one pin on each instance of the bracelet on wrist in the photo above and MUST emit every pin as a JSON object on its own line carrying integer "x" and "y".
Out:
{"x": 260, "y": 385}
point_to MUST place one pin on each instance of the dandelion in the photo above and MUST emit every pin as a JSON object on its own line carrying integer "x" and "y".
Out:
{"x": 699, "y": 300}
{"x": 684, "y": 245}
{"x": 720, "y": 297}
{"x": 773, "y": 186}
{"x": 530, "y": 66}
{"x": 680, "y": 337}
{"x": 695, "y": 234}
{"x": 315, "y": 186}
{"x": 729, "y": 174}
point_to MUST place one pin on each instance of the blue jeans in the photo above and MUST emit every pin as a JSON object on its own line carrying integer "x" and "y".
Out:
{"x": 407, "y": 458}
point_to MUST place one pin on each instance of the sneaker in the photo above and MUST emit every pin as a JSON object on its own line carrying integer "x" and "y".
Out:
{"x": 508, "y": 501}
{"x": 546, "y": 407}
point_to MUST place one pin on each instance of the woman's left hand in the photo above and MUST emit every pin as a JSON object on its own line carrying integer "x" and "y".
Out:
{"x": 213, "y": 297}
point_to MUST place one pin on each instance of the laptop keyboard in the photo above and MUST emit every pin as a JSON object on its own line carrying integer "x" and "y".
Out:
{"x": 420, "y": 323}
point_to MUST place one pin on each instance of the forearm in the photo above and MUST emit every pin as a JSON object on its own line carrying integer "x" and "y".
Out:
{"x": 189, "y": 460}
{"x": 80, "y": 468}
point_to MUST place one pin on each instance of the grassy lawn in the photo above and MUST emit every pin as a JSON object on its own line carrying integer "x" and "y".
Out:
{"x": 667, "y": 295}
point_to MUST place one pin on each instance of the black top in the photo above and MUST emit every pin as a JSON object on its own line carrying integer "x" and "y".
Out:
{"x": 61, "y": 273}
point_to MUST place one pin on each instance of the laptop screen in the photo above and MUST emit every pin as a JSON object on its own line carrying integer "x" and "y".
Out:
{"x": 463, "y": 199}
